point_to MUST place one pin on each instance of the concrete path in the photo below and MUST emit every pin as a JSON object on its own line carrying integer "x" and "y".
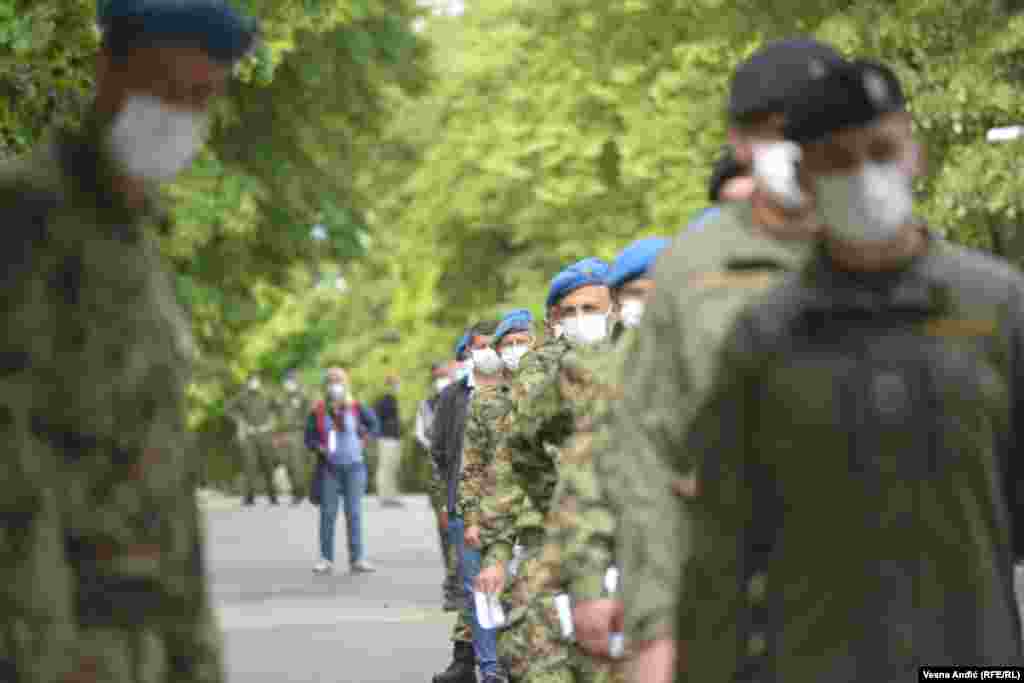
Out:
{"x": 282, "y": 624}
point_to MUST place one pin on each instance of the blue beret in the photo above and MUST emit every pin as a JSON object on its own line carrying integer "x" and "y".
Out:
{"x": 635, "y": 260}
{"x": 589, "y": 271}
{"x": 702, "y": 219}
{"x": 463, "y": 342}
{"x": 221, "y": 32}
{"x": 516, "y": 321}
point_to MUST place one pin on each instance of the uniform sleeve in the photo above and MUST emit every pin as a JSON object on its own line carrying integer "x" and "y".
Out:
{"x": 648, "y": 431}
{"x": 731, "y": 486}
{"x": 580, "y": 527}
{"x": 37, "y": 631}
{"x": 500, "y": 511}
{"x": 476, "y": 446}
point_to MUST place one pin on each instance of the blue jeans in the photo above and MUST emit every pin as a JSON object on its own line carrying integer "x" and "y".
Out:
{"x": 485, "y": 641}
{"x": 348, "y": 482}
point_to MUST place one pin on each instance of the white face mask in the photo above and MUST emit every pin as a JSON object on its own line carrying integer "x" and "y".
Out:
{"x": 154, "y": 141}
{"x": 587, "y": 329}
{"x": 631, "y": 312}
{"x": 511, "y": 355}
{"x": 871, "y": 205}
{"x": 441, "y": 384}
{"x": 464, "y": 370}
{"x": 254, "y": 384}
{"x": 486, "y": 361}
{"x": 775, "y": 172}
{"x": 337, "y": 391}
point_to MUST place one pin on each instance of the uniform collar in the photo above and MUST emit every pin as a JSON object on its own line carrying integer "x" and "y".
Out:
{"x": 89, "y": 170}
{"x": 910, "y": 288}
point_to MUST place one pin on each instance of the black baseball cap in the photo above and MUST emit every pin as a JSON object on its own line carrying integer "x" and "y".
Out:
{"x": 847, "y": 95}
{"x": 766, "y": 82}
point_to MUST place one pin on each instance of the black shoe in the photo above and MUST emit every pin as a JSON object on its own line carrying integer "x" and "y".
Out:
{"x": 249, "y": 500}
{"x": 463, "y": 666}
{"x": 273, "y": 500}
{"x": 298, "y": 500}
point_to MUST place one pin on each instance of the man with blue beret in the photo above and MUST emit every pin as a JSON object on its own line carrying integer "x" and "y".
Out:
{"x": 704, "y": 278}
{"x": 549, "y": 398}
{"x": 103, "y": 567}
{"x": 881, "y": 386}
{"x": 630, "y": 281}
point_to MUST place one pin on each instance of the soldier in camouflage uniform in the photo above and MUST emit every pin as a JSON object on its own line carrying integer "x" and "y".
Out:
{"x": 580, "y": 528}
{"x": 252, "y": 410}
{"x": 880, "y": 389}
{"x": 704, "y": 278}
{"x": 291, "y": 410}
{"x": 103, "y": 570}
{"x": 547, "y": 402}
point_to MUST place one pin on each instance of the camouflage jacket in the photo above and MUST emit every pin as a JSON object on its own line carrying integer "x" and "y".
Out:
{"x": 860, "y": 455}
{"x": 703, "y": 280}
{"x": 580, "y": 528}
{"x": 253, "y": 411}
{"x": 488, "y": 418}
{"x": 509, "y": 510}
{"x": 291, "y": 411}
{"x": 103, "y": 572}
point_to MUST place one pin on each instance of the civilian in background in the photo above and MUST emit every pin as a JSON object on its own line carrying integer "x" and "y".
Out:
{"x": 337, "y": 430}
{"x": 389, "y": 444}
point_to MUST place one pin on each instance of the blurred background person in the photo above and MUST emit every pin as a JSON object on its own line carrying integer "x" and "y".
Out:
{"x": 389, "y": 443}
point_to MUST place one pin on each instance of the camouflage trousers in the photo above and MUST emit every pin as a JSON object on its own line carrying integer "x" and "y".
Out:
{"x": 532, "y": 647}
{"x": 298, "y": 462}
{"x": 258, "y": 462}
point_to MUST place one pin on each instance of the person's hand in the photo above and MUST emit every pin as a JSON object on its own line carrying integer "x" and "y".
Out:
{"x": 654, "y": 661}
{"x": 594, "y": 622}
{"x": 491, "y": 580}
{"x": 442, "y": 517}
{"x": 472, "y": 536}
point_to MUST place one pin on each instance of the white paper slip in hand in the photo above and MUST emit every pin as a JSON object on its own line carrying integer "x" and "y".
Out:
{"x": 563, "y": 605}
{"x": 489, "y": 612}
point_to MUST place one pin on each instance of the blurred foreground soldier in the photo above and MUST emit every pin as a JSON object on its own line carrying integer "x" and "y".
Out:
{"x": 389, "y": 444}
{"x": 253, "y": 413}
{"x": 440, "y": 379}
{"x": 103, "y": 571}
{"x": 897, "y": 359}
{"x": 291, "y": 409}
{"x": 704, "y": 278}
{"x": 579, "y": 547}
{"x": 446, "y": 449}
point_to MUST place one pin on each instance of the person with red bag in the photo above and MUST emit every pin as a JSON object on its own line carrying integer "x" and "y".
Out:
{"x": 337, "y": 430}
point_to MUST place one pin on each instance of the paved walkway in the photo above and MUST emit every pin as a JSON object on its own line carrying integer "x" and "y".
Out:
{"x": 284, "y": 625}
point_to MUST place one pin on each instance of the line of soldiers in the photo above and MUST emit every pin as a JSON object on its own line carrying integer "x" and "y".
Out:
{"x": 796, "y": 442}
{"x": 270, "y": 431}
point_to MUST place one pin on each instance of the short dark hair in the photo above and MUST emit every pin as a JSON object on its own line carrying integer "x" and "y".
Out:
{"x": 725, "y": 169}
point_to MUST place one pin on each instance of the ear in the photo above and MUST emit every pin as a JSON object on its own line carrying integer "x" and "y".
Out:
{"x": 741, "y": 147}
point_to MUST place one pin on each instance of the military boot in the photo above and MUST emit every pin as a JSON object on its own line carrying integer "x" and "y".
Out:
{"x": 463, "y": 666}
{"x": 249, "y": 499}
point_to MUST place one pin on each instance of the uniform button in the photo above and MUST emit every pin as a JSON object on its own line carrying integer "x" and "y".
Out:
{"x": 757, "y": 645}
{"x": 757, "y": 587}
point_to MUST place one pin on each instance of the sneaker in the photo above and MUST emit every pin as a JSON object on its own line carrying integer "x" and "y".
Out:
{"x": 362, "y": 567}
{"x": 323, "y": 567}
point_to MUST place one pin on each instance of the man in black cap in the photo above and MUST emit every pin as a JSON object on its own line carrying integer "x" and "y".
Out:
{"x": 702, "y": 280}
{"x": 101, "y": 567}
{"x": 860, "y": 451}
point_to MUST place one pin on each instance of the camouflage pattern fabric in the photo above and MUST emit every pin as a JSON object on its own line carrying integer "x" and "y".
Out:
{"x": 103, "y": 575}
{"x": 488, "y": 420}
{"x": 253, "y": 412}
{"x": 889, "y": 404}
{"x": 292, "y": 410}
{"x": 552, "y": 397}
{"x": 703, "y": 280}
